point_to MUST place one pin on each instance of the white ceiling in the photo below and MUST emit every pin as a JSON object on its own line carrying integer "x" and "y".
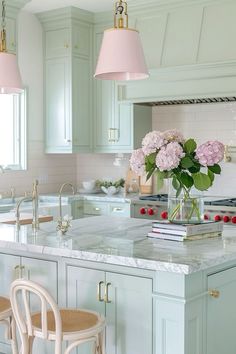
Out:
{"x": 90, "y": 5}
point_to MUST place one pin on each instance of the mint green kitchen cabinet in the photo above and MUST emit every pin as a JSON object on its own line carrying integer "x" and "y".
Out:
{"x": 68, "y": 84}
{"x": 221, "y": 312}
{"x": 92, "y": 208}
{"x": 120, "y": 128}
{"x": 13, "y": 267}
{"x": 125, "y": 300}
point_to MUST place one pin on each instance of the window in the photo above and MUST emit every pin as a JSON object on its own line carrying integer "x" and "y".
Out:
{"x": 13, "y": 131}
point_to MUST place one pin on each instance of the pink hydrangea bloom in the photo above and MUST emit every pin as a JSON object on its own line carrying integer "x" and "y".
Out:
{"x": 173, "y": 135}
{"x": 210, "y": 153}
{"x": 169, "y": 156}
{"x": 152, "y": 142}
{"x": 137, "y": 162}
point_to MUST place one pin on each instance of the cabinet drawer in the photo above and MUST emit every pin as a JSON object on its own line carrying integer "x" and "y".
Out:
{"x": 95, "y": 208}
{"x": 119, "y": 209}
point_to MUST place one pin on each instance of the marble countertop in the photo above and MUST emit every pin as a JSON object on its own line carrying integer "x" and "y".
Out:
{"x": 121, "y": 241}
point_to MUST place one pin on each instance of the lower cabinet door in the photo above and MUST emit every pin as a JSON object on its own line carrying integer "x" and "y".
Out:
{"x": 9, "y": 265}
{"x": 125, "y": 300}
{"x": 221, "y": 312}
{"x": 83, "y": 292}
{"x": 44, "y": 273}
{"x": 129, "y": 314}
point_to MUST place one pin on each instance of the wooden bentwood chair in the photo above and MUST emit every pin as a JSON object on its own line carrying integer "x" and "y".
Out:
{"x": 7, "y": 319}
{"x": 76, "y": 326}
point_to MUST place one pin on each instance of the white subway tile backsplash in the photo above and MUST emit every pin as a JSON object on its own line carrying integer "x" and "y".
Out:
{"x": 204, "y": 122}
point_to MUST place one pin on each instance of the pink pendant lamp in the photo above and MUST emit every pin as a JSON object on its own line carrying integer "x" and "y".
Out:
{"x": 121, "y": 55}
{"x": 10, "y": 79}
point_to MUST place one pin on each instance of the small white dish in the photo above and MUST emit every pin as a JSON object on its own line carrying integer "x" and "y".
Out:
{"x": 110, "y": 190}
{"x": 89, "y": 185}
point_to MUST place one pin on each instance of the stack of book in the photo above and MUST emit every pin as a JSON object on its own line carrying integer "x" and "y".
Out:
{"x": 164, "y": 229}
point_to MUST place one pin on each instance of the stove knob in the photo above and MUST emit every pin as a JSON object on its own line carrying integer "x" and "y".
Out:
{"x": 164, "y": 215}
{"x": 142, "y": 211}
{"x": 206, "y": 217}
{"x": 226, "y": 218}
{"x": 150, "y": 211}
{"x": 233, "y": 219}
{"x": 218, "y": 218}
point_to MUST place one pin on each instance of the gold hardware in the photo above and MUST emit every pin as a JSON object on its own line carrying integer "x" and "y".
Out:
{"x": 97, "y": 209}
{"x": 66, "y": 45}
{"x": 121, "y": 15}
{"x": 99, "y": 287}
{"x": 17, "y": 273}
{"x": 113, "y": 135}
{"x": 227, "y": 158}
{"x": 214, "y": 293}
{"x": 117, "y": 209}
{"x": 22, "y": 271}
{"x": 106, "y": 295}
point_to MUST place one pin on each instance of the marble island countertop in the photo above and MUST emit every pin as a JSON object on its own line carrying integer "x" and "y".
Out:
{"x": 121, "y": 241}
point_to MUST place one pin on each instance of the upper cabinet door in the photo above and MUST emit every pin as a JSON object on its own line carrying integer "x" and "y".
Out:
{"x": 57, "y": 43}
{"x": 58, "y": 113}
{"x": 81, "y": 40}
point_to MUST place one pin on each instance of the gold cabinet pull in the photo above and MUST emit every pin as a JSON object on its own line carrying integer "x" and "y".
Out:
{"x": 115, "y": 209}
{"x": 99, "y": 291}
{"x": 66, "y": 45}
{"x": 214, "y": 293}
{"x": 17, "y": 271}
{"x": 113, "y": 135}
{"x": 106, "y": 295}
{"x": 96, "y": 209}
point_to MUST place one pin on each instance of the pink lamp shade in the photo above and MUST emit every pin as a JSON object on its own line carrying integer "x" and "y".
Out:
{"x": 121, "y": 56}
{"x": 10, "y": 79}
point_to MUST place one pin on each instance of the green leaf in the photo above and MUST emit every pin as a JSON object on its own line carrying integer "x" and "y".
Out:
{"x": 196, "y": 168}
{"x": 178, "y": 191}
{"x": 211, "y": 175}
{"x": 190, "y": 146}
{"x": 201, "y": 181}
{"x": 186, "y": 162}
{"x": 186, "y": 179}
{"x": 152, "y": 158}
{"x": 160, "y": 180}
{"x": 175, "y": 183}
{"x": 150, "y": 173}
{"x": 215, "y": 169}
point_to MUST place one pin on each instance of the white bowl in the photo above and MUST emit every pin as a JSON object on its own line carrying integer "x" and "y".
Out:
{"x": 89, "y": 185}
{"x": 109, "y": 190}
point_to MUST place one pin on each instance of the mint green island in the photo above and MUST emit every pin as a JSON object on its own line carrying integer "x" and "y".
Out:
{"x": 159, "y": 297}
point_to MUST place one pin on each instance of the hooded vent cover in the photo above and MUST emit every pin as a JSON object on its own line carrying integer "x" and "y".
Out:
{"x": 191, "y": 101}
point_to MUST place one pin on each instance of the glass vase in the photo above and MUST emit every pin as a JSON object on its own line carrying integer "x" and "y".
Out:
{"x": 187, "y": 208}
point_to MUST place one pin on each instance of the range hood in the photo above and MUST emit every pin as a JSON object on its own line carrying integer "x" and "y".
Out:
{"x": 190, "y": 101}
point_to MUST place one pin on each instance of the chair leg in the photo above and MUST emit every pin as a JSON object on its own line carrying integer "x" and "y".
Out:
{"x": 14, "y": 346}
{"x": 31, "y": 342}
{"x": 101, "y": 346}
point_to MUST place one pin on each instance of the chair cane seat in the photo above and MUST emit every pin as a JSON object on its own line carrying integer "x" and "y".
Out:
{"x": 5, "y": 308}
{"x": 72, "y": 320}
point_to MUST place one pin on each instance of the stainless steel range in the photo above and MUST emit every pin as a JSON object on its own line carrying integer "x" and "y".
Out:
{"x": 155, "y": 207}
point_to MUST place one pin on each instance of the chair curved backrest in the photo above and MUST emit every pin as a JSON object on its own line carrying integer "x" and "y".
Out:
{"x": 19, "y": 296}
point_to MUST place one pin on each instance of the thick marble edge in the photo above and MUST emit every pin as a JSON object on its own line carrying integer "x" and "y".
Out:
{"x": 140, "y": 263}
{"x": 99, "y": 257}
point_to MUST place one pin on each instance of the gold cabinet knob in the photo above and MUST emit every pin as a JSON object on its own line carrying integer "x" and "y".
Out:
{"x": 66, "y": 45}
{"x": 214, "y": 293}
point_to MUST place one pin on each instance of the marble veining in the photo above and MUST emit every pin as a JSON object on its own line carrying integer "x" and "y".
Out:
{"x": 121, "y": 241}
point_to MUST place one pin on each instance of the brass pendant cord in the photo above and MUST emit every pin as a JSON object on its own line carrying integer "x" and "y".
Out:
{"x": 3, "y": 30}
{"x": 121, "y": 15}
